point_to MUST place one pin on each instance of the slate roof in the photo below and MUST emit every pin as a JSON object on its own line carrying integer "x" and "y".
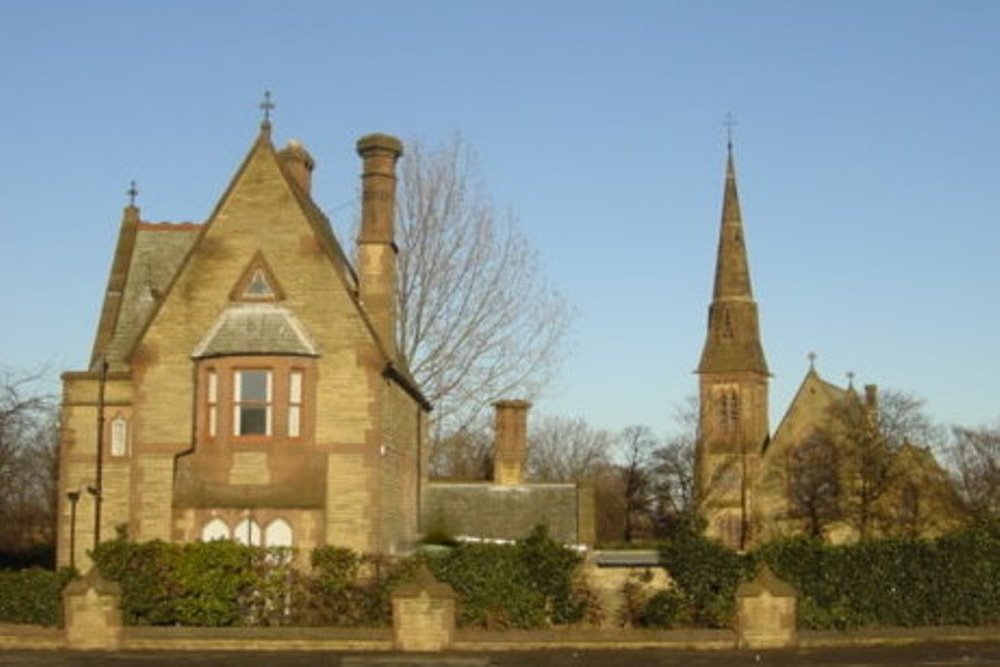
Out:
{"x": 256, "y": 328}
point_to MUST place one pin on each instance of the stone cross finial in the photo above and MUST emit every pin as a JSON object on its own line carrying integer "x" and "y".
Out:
{"x": 850, "y": 378}
{"x": 729, "y": 123}
{"x": 812, "y": 360}
{"x": 131, "y": 192}
{"x": 267, "y": 105}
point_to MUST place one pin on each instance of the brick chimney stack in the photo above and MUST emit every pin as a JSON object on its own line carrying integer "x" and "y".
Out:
{"x": 377, "y": 240}
{"x": 511, "y": 446}
{"x": 298, "y": 164}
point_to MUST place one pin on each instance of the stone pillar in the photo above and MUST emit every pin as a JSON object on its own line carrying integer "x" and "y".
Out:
{"x": 377, "y": 240}
{"x": 511, "y": 446}
{"x": 92, "y": 614}
{"x": 423, "y": 614}
{"x": 765, "y": 612}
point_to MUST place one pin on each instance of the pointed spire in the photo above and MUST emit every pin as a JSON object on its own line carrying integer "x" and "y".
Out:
{"x": 733, "y": 342}
{"x": 732, "y": 269}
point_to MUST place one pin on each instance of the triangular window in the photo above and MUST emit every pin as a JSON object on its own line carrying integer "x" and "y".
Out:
{"x": 258, "y": 287}
{"x": 257, "y": 283}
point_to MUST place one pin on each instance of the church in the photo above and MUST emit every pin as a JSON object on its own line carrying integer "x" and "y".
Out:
{"x": 244, "y": 381}
{"x": 753, "y": 485}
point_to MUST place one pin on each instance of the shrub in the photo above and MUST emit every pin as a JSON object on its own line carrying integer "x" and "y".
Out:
{"x": 706, "y": 574}
{"x": 32, "y": 596}
{"x": 529, "y": 584}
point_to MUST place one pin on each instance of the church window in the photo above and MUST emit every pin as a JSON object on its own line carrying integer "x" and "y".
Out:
{"x": 294, "y": 403}
{"x": 119, "y": 436}
{"x": 247, "y": 532}
{"x": 213, "y": 404}
{"x": 278, "y": 534}
{"x": 216, "y": 529}
{"x": 729, "y": 411}
{"x": 252, "y": 402}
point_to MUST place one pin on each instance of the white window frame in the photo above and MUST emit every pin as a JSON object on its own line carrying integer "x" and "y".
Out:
{"x": 295, "y": 380}
{"x": 119, "y": 436}
{"x": 238, "y": 400}
{"x": 213, "y": 404}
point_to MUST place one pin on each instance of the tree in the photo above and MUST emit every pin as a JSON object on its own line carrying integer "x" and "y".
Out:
{"x": 975, "y": 460}
{"x": 870, "y": 433}
{"x": 28, "y": 473}
{"x": 477, "y": 319}
{"x": 673, "y": 471}
{"x": 564, "y": 449}
{"x": 814, "y": 483}
{"x": 636, "y": 444}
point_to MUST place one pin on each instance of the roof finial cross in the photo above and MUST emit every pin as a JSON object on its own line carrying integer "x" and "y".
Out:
{"x": 267, "y": 105}
{"x": 729, "y": 123}
{"x": 850, "y": 379}
{"x": 131, "y": 192}
{"x": 812, "y": 360}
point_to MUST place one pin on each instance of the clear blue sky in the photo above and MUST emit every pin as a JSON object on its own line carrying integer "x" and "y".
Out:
{"x": 866, "y": 150}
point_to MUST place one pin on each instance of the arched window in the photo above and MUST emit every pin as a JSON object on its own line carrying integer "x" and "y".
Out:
{"x": 247, "y": 532}
{"x": 278, "y": 534}
{"x": 216, "y": 529}
{"x": 119, "y": 436}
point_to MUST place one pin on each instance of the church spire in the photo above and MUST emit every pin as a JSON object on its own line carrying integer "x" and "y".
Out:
{"x": 732, "y": 270}
{"x": 733, "y": 342}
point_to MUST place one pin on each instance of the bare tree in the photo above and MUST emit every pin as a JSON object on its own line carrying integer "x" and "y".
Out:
{"x": 466, "y": 454}
{"x": 975, "y": 460}
{"x": 28, "y": 440}
{"x": 673, "y": 470}
{"x": 636, "y": 445}
{"x": 814, "y": 483}
{"x": 566, "y": 449}
{"x": 477, "y": 319}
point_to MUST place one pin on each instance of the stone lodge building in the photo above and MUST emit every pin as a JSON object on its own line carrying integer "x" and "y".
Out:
{"x": 244, "y": 381}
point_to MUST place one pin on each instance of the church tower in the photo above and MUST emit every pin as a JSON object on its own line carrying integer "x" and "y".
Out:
{"x": 733, "y": 387}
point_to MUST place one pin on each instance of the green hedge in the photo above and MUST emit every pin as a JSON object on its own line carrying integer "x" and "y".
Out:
{"x": 526, "y": 585}
{"x": 954, "y": 580}
{"x": 32, "y": 596}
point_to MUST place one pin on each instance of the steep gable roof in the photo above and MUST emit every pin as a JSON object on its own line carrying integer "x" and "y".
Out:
{"x": 814, "y": 396}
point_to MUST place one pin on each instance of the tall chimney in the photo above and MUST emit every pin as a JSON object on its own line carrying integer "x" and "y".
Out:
{"x": 376, "y": 242}
{"x": 511, "y": 446}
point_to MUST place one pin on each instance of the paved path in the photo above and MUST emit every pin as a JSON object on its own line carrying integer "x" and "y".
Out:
{"x": 979, "y": 654}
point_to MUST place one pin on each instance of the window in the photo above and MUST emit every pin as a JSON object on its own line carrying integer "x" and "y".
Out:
{"x": 119, "y": 436}
{"x": 247, "y": 532}
{"x": 213, "y": 404}
{"x": 728, "y": 402}
{"x": 294, "y": 403}
{"x": 216, "y": 529}
{"x": 278, "y": 534}
{"x": 252, "y": 402}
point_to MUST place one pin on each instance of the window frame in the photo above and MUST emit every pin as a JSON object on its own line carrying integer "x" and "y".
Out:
{"x": 240, "y": 403}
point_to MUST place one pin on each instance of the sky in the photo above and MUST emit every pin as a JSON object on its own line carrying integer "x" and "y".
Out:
{"x": 865, "y": 142}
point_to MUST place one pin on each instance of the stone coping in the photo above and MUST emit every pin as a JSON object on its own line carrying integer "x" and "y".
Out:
{"x": 14, "y": 636}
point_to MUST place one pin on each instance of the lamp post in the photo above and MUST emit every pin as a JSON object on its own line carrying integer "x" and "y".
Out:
{"x": 74, "y": 497}
{"x": 98, "y": 489}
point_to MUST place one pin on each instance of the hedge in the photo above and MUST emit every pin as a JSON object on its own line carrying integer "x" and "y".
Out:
{"x": 32, "y": 596}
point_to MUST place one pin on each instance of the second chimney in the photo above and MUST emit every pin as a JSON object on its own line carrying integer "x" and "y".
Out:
{"x": 377, "y": 242}
{"x": 511, "y": 446}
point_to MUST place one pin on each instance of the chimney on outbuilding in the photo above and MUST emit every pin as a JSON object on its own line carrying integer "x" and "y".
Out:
{"x": 377, "y": 240}
{"x": 298, "y": 164}
{"x": 511, "y": 446}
